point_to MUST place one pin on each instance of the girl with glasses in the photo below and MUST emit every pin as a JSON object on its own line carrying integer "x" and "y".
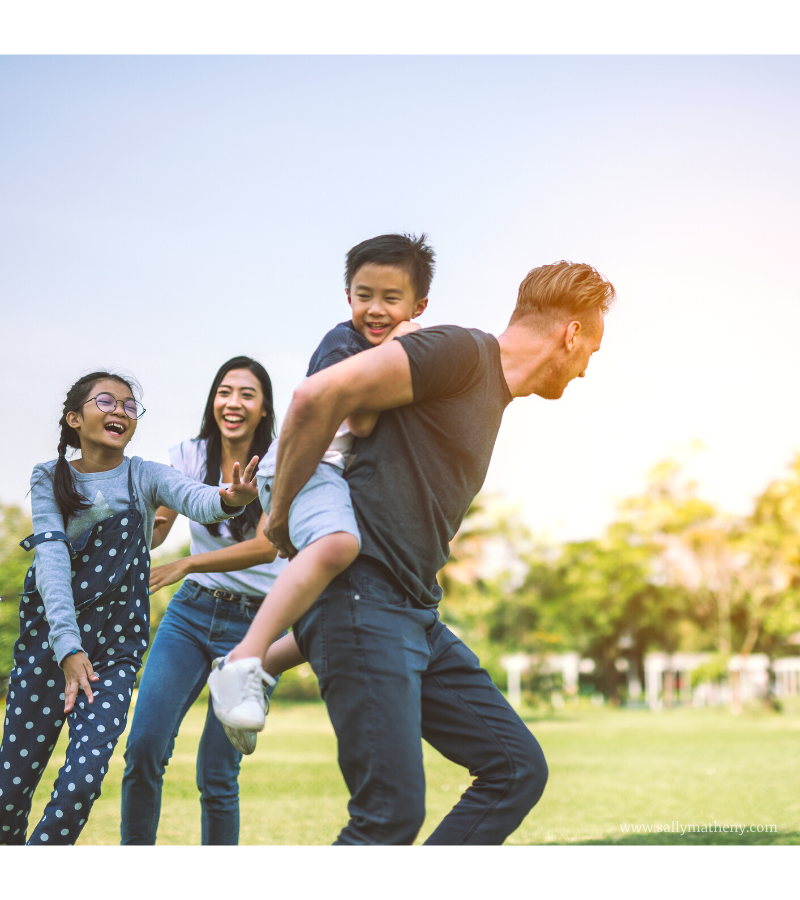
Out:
{"x": 230, "y": 569}
{"x": 84, "y": 613}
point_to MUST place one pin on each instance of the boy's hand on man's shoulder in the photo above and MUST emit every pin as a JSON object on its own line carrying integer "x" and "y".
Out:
{"x": 402, "y": 328}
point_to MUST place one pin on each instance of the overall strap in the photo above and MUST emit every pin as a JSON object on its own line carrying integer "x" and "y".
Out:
{"x": 32, "y": 540}
{"x": 131, "y": 489}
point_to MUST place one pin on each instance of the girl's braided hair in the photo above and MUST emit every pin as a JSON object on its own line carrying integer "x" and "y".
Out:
{"x": 69, "y": 499}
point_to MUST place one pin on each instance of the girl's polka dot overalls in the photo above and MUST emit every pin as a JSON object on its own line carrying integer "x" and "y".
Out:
{"x": 110, "y": 577}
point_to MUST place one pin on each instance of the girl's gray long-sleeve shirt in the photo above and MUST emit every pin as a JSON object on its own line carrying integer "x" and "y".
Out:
{"x": 156, "y": 485}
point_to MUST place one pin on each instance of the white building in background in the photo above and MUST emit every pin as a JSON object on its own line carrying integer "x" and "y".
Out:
{"x": 787, "y": 676}
{"x": 668, "y": 679}
{"x": 568, "y": 665}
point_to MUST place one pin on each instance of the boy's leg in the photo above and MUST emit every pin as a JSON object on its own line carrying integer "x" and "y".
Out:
{"x": 467, "y": 719}
{"x": 323, "y": 527}
{"x": 369, "y": 649}
{"x": 295, "y": 589}
{"x": 174, "y": 676}
{"x": 282, "y": 656}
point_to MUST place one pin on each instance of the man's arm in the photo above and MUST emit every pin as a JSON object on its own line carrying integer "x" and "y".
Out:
{"x": 371, "y": 381}
{"x": 362, "y": 423}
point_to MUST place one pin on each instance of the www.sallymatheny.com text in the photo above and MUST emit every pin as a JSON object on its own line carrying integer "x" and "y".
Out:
{"x": 706, "y": 828}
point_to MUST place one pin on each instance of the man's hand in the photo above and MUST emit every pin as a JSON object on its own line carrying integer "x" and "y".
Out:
{"x": 277, "y": 533}
{"x": 161, "y": 576}
{"x": 240, "y": 493}
{"x": 78, "y": 672}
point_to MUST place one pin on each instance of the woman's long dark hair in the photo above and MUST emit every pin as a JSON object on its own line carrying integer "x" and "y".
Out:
{"x": 262, "y": 438}
{"x": 69, "y": 499}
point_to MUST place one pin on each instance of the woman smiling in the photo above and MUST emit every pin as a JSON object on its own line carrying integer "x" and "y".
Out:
{"x": 228, "y": 573}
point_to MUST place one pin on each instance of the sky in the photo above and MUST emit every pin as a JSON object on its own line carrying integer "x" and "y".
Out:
{"x": 159, "y": 215}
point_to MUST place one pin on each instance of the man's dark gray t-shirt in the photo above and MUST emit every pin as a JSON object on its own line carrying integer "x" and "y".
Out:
{"x": 413, "y": 479}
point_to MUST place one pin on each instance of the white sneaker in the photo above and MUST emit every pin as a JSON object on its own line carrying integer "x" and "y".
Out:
{"x": 243, "y": 741}
{"x": 239, "y": 699}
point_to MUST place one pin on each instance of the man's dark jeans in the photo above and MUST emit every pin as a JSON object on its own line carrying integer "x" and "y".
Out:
{"x": 391, "y": 673}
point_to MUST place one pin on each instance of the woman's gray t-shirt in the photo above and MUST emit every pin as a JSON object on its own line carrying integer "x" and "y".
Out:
{"x": 156, "y": 485}
{"x": 413, "y": 479}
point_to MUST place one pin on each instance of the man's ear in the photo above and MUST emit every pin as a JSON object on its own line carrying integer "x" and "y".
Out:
{"x": 419, "y": 307}
{"x": 571, "y": 333}
{"x": 349, "y": 301}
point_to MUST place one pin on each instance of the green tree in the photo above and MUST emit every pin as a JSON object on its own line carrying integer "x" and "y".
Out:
{"x": 14, "y": 563}
{"x": 487, "y": 559}
{"x": 743, "y": 575}
{"x": 769, "y": 543}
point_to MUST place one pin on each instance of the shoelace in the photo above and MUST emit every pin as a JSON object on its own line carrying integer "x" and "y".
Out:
{"x": 255, "y": 687}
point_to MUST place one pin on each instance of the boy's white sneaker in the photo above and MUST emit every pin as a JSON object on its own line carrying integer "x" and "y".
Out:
{"x": 239, "y": 699}
{"x": 243, "y": 741}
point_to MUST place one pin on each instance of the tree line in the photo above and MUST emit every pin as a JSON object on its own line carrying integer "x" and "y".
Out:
{"x": 670, "y": 573}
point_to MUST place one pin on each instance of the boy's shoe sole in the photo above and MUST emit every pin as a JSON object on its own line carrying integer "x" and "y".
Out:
{"x": 243, "y": 739}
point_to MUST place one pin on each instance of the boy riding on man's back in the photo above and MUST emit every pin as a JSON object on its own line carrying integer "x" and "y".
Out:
{"x": 387, "y": 282}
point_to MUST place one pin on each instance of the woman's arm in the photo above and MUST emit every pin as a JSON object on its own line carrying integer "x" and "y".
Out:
{"x": 244, "y": 555}
{"x": 164, "y": 520}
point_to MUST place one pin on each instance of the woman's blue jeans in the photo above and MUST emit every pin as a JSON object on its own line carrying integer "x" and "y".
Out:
{"x": 196, "y": 629}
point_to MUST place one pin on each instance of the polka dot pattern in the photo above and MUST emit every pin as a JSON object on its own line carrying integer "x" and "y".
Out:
{"x": 34, "y": 712}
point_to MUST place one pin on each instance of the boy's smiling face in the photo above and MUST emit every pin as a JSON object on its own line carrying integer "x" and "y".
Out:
{"x": 381, "y": 297}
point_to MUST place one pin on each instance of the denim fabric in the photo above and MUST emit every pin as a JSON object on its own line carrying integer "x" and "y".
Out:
{"x": 391, "y": 674}
{"x": 195, "y": 630}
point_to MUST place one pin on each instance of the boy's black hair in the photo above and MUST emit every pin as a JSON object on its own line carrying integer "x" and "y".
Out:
{"x": 262, "y": 438}
{"x": 406, "y": 251}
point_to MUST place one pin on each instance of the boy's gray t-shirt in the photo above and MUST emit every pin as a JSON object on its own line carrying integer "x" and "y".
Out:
{"x": 413, "y": 479}
{"x": 156, "y": 485}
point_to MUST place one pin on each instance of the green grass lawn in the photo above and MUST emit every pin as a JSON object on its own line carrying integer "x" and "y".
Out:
{"x": 607, "y": 768}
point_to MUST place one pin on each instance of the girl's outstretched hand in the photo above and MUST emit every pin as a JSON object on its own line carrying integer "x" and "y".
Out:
{"x": 240, "y": 493}
{"x": 78, "y": 672}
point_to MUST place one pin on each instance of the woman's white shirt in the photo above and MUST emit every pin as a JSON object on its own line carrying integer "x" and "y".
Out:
{"x": 189, "y": 458}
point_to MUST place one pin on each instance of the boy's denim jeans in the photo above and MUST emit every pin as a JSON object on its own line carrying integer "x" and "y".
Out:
{"x": 195, "y": 630}
{"x": 391, "y": 674}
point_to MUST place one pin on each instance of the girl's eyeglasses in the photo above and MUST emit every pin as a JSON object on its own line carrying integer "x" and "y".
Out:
{"x": 106, "y": 403}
